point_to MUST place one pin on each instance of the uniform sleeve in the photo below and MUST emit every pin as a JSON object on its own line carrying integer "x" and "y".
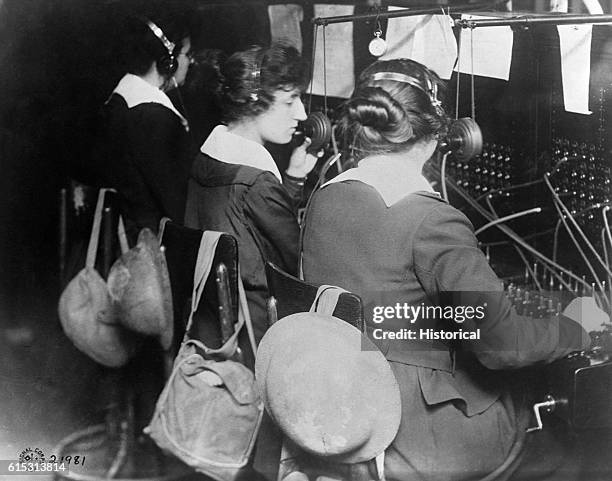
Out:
{"x": 295, "y": 188}
{"x": 271, "y": 209}
{"x": 450, "y": 265}
{"x": 159, "y": 155}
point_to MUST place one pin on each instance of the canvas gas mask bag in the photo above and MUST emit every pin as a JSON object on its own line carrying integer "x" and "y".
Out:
{"x": 209, "y": 413}
{"x": 86, "y": 311}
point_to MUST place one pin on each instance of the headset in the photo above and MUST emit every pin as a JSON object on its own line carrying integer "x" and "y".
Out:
{"x": 426, "y": 85}
{"x": 167, "y": 64}
{"x": 256, "y": 75}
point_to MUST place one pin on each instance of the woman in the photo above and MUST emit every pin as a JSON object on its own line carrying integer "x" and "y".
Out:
{"x": 380, "y": 231}
{"x": 144, "y": 149}
{"x": 235, "y": 185}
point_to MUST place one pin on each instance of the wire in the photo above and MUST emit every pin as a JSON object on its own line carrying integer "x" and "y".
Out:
{"x": 559, "y": 277}
{"x": 506, "y": 242}
{"x": 580, "y": 251}
{"x": 506, "y": 189}
{"x": 535, "y": 210}
{"x": 558, "y": 225}
{"x": 490, "y": 206}
{"x": 520, "y": 252}
{"x": 443, "y": 176}
{"x": 509, "y": 232}
{"x": 605, "y": 249}
{"x": 607, "y": 226}
{"x": 324, "y": 71}
{"x": 458, "y": 76}
{"x": 473, "y": 99}
{"x": 312, "y": 65}
{"x": 528, "y": 266}
{"x": 576, "y": 226}
{"x": 492, "y": 210}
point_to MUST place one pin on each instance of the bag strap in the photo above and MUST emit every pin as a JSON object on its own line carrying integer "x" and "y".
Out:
{"x": 206, "y": 253}
{"x": 204, "y": 260}
{"x": 326, "y": 299}
{"x": 123, "y": 242}
{"x": 94, "y": 238}
{"x": 380, "y": 466}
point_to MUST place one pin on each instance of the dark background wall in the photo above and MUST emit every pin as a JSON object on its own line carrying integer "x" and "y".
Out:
{"x": 58, "y": 63}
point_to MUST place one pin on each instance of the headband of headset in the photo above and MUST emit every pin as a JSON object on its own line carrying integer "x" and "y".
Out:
{"x": 430, "y": 88}
{"x": 159, "y": 33}
{"x": 256, "y": 75}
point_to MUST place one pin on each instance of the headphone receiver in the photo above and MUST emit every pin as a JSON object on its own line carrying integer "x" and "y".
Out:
{"x": 318, "y": 127}
{"x": 167, "y": 64}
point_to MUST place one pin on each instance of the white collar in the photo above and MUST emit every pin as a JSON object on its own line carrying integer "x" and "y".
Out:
{"x": 135, "y": 91}
{"x": 393, "y": 182}
{"x": 227, "y": 147}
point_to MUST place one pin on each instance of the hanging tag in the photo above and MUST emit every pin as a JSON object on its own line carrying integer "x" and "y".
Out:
{"x": 378, "y": 45}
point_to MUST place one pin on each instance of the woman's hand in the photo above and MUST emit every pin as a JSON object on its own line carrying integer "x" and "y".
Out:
{"x": 301, "y": 162}
{"x": 584, "y": 311}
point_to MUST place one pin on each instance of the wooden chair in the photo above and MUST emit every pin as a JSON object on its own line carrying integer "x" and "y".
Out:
{"x": 289, "y": 295}
{"x": 218, "y": 309}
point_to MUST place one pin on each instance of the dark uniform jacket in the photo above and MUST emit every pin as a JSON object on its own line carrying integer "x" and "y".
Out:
{"x": 458, "y": 419}
{"x": 259, "y": 211}
{"x": 144, "y": 152}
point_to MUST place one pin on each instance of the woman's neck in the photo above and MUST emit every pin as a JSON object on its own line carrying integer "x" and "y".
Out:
{"x": 153, "y": 77}
{"x": 409, "y": 161}
{"x": 245, "y": 129}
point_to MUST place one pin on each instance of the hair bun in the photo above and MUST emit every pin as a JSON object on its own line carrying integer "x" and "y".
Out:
{"x": 376, "y": 111}
{"x": 368, "y": 113}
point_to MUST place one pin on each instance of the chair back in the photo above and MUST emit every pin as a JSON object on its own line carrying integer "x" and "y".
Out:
{"x": 218, "y": 308}
{"x": 290, "y": 295}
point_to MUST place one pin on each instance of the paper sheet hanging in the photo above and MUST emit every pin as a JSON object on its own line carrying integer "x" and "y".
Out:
{"x": 485, "y": 51}
{"x": 427, "y": 39}
{"x": 339, "y": 62}
{"x": 575, "y": 47}
{"x": 285, "y": 24}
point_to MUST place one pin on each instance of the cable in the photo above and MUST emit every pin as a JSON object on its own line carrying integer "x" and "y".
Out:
{"x": 577, "y": 227}
{"x": 473, "y": 99}
{"x": 506, "y": 189}
{"x": 558, "y": 225}
{"x": 509, "y": 232}
{"x": 529, "y": 269}
{"x": 607, "y": 226}
{"x": 324, "y": 71}
{"x": 520, "y": 252}
{"x": 490, "y": 206}
{"x": 559, "y": 277}
{"x": 458, "y": 76}
{"x": 535, "y": 210}
{"x": 312, "y": 64}
{"x": 506, "y": 242}
{"x": 605, "y": 249}
{"x": 580, "y": 251}
{"x": 443, "y": 176}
